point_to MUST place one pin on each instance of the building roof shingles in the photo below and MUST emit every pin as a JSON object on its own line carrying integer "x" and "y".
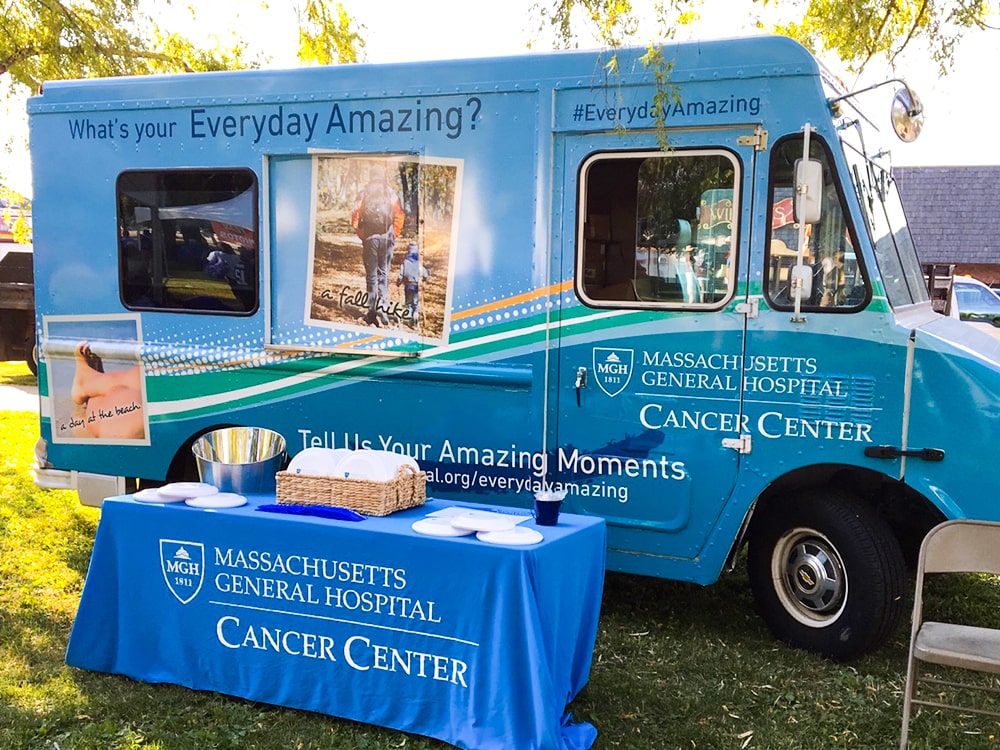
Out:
{"x": 953, "y": 212}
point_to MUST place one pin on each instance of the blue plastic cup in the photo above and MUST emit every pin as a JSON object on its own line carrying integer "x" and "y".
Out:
{"x": 547, "y": 508}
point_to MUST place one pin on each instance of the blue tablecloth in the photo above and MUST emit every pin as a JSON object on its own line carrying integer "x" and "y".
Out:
{"x": 479, "y": 645}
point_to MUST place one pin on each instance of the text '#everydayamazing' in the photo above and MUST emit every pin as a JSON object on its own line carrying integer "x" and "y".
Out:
{"x": 693, "y": 109}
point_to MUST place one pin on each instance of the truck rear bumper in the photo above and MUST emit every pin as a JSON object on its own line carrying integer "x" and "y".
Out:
{"x": 90, "y": 488}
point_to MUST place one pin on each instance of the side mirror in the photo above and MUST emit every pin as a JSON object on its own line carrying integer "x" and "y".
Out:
{"x": 801, "y": 278}
{"x": 907, "y": 114}
{"x": 808, "y": 191}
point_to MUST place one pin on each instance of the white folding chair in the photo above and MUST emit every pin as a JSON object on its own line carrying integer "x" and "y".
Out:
{"x": 952, "y": 547}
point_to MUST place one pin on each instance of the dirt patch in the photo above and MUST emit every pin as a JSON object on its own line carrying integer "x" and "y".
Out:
{"x": 339, "y": 291}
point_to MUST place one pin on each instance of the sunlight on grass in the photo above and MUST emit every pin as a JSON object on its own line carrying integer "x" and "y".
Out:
{"x": 16, "y": 373}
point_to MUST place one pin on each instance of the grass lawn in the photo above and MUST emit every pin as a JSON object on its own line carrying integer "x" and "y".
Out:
{"x": 16, "y": 373}
{"x": 675, "y": 665}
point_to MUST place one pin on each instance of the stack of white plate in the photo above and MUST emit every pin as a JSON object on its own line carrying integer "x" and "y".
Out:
{"x": 488, "y": 526}
{"x": 317, "y": 462}
{"x": 195, "y": 494}
{"x": 343, "y": 463}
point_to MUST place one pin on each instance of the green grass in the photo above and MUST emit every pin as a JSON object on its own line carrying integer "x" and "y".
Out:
{"x": 675, "y": 665}
{"x": 16, "y": 373}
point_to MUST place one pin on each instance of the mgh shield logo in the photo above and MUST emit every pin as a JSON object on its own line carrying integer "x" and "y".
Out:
{"x": 613, "y": 369}
{"x": 183, "y": 566}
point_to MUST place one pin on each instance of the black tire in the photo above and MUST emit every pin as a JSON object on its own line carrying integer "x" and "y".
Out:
{"x": 31, "y": 351}
{"x": 32, "y": 358}
{"x": 827, "y": 574}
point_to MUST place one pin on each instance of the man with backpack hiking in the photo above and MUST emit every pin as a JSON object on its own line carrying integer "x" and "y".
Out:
{"x": 377, "y": 219}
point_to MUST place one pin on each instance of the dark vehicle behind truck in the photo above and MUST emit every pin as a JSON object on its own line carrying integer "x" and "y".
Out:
{"x": 17, "y": 304}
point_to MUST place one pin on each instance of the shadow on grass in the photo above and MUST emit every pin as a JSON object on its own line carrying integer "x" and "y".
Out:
{"x": 57, "y": 706}
{"x": 80, "y": 544}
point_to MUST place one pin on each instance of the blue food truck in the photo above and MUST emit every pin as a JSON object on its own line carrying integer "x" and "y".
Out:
{"x": 694, "y": 306}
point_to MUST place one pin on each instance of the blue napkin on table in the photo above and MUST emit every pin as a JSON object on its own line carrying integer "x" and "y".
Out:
{"x": 323, "y": 511}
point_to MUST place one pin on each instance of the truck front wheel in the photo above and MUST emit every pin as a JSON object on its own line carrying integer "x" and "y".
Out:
{"x": 827, "y": 574}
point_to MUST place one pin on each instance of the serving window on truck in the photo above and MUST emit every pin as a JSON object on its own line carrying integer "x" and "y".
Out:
{"x": 838, "y": 278}
{"x": 188, "y": 240}
{"x": 657, "y": 229}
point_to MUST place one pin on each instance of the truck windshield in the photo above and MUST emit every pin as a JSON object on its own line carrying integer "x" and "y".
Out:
{"x": 902, "y": 277}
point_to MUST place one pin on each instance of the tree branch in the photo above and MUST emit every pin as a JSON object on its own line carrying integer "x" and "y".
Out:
{"x": 911, "y": 33}
{"x": 873, "y": 46}
{"x": 20, "y": 55}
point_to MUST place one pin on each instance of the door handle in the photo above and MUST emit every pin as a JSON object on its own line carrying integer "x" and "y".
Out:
{"x": 581, "y": 382}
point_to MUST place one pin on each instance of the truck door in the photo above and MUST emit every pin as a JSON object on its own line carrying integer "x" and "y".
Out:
{"x": 650, "y": 351}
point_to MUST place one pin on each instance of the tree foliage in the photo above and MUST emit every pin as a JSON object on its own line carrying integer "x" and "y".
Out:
{"x": 15, "y": 210}
{"x": 52, "y": 39}
{"x": 55, "y": 39}
{"x": 327, "y": 35}
{"x": 860, "y": 31}
{"x": 856, "y": 31}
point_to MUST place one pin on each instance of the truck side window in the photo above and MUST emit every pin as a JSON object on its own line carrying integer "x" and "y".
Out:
{"x": 839, "y": 280}
{"x": 187, "y": 240}
{"x": 657, "y": 230}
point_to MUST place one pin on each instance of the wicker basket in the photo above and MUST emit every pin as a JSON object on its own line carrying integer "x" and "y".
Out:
{"x": 368, "y": 497}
